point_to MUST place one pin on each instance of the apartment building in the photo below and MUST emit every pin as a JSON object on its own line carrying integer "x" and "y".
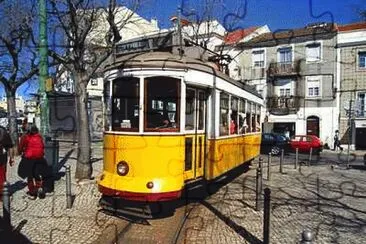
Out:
{"x": 351, "y": 49}
{"x": 295, "y": 70}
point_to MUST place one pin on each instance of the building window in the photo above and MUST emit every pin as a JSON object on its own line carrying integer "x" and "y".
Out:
{"x": 94, "y": 82}
{"x": 361, "y": 104}
{"x": 362, "y": 60}
{"x": 283, "y": 88}
{"x": 285, "y": 55}
{"x": 313, "y": 86}
{"x": 258, "y": 59}
{"x": 313, "y": 52}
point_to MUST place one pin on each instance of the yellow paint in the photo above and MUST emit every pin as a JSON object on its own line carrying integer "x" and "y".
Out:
{"x": 227, "y": 153}
{"x": 161, "y": 159}
{"x": 150, "y": 158}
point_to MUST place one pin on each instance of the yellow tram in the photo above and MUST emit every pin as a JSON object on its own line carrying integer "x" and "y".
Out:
{"x": 171, "y": 120}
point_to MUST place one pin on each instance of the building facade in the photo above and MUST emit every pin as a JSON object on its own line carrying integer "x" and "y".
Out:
{"x": 351, "y": 49}
{"x": 295, "y": 71}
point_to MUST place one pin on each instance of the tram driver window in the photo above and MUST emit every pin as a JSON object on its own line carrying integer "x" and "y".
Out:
{"x": 162, "y": 103}
{"x": 224, "y": 113}
{"x": 125, "y": 104}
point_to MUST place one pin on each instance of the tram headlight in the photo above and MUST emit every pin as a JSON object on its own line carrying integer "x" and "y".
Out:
{"x": 122, "y": 168}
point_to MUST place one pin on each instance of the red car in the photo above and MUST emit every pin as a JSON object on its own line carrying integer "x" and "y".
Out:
{"x": 305, "y": 142}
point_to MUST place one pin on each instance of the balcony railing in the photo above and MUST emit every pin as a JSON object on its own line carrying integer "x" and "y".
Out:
{"x": 282, "y": 105}
{"x": 283, "y": 69}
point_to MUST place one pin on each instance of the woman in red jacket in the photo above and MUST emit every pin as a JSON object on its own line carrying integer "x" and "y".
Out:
{"x": 33, "y": 165}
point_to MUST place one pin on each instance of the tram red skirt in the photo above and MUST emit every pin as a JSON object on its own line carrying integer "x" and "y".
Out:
{"x": 33, "y": 168}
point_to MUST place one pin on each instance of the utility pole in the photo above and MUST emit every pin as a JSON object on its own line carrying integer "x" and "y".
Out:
{"x": 350, "y": 129}
{"x": 179, "y": 29}
{"x": 43, "y": 68}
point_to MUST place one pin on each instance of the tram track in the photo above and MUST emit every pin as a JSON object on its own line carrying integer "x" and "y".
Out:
{"x": 163, "y": 229}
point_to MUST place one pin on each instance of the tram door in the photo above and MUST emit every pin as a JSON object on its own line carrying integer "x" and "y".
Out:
{"x": 195, "y": 133}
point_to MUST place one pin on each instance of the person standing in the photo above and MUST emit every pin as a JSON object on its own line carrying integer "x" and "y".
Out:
{"x": 33, "y": 166}
{"x": 337, "y": 142}
{"x": 6, "y": 151}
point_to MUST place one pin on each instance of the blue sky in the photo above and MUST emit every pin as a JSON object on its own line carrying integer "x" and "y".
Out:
{"x": 277, "y": 14}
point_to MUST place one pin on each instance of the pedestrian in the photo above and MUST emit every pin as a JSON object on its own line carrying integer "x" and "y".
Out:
{"x": 33, "y": 166}
{"x": 6, "y": 151}
{"x": 337, "y": 142}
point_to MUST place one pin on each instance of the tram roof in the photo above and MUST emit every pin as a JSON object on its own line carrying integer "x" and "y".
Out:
{"x": 169, "y": 60}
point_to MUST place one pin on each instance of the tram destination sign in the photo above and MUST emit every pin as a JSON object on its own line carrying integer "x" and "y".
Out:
{"x": 145, "y": 44}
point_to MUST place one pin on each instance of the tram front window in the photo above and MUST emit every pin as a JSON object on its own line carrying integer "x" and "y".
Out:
{"x": 162, "y": 104}
{"x": 125, "y": 104}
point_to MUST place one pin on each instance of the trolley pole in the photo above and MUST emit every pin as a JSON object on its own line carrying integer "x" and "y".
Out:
{"x": 43, "y": 68}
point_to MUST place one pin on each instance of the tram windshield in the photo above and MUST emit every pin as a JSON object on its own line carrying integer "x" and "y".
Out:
{"x": 161, "y": 104}
{"x": 125, "y": 104}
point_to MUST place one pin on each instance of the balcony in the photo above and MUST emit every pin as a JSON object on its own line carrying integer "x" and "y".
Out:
{"x": 283, "y": 69}
{"x": 283, "y": 105}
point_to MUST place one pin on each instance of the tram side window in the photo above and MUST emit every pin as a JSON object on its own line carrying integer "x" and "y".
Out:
{"x": 258, "y": 119}
{"x": 108, "y": 106}
{"x": 254, "y": 117}
{"x": 242, "y": 120}
{"x": 125, "y": 104}
{"x": 224, "y": 112}
{"x": 234, "y": 116}
{"x": 249, "y": 117}
{"x": 162, "y": 104}
{"x": 190, "y": 107}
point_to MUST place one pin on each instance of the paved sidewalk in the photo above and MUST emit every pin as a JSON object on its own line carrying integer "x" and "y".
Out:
{"x": 331, "y": 203}
{"x": 47, "y": 220}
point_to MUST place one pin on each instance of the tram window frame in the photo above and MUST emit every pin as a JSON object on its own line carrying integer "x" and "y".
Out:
{"x": 234, "y": 105}
{"x": 224, "y": 114}
{"x": 242, "y": 116}
{"x": 126, "y": 99}
{"x": 165, "y": 90}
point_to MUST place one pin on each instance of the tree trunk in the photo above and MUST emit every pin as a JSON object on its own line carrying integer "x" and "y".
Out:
{"x": 12, "y": 117}
{"x": 83, "y": 166}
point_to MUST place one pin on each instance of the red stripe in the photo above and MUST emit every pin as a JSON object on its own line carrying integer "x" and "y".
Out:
{"x": 142, "y": 197}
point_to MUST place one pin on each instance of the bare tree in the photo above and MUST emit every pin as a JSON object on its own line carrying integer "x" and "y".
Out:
{"x": 90, "y": 29}
{"x": 18, "y": 52}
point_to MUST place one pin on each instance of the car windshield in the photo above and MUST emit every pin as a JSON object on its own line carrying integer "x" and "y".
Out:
{"x": 281, "y": 138}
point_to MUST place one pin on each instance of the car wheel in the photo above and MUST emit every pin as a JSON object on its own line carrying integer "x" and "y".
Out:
{"x": 275, "y": 150}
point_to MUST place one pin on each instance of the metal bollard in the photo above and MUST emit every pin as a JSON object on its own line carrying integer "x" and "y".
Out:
{"x": 6, "y": 205}
{"x": 306, "y": 237}
{"x": 68, "y": 187}
{"x": 266, "y": 215}
{"x": 258, "y": 189}
{"x": 269, "y": 166}
{"x": 296, "y": 157}
{"x": 281, "y": 161}
{"x": 260, "y": 163}
{"x": 311, "y": 153}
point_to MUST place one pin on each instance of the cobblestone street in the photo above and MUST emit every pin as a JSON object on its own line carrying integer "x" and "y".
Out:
{"x": 48, "y": 220}
{"x": 329, "y": 202}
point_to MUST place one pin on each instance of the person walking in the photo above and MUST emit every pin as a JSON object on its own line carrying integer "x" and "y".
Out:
{"x": 6, "y": 151}
{"x": 33, "y": 166}
{"x": 337, "y": 142}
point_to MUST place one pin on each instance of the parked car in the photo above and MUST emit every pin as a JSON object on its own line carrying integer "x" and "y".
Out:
{"x": 305, "y": 142}
{"x": 274, "y": 143}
